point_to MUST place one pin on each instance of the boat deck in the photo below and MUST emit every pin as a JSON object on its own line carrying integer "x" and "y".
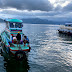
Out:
{"x": 22, "y": 47}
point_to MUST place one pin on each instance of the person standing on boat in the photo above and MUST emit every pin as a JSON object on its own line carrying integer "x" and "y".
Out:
{"x": 18, "y": 38}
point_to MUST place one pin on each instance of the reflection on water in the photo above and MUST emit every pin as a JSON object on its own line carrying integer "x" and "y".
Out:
{"x": 12, "y": 65}
{"x": 50, "y": 51}
{"x": 16, "y": 66}
{"x": 65, "y": 37}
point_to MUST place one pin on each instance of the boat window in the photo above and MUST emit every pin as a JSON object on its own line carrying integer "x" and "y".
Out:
{"x": 66, "y": 25}
{"x": 16, "y": 25}
{"x": 11, "y": 25}
{"x": 69, "y": 25}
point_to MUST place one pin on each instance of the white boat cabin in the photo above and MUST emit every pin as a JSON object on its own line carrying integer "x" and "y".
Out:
{"x": 68, "y": 24}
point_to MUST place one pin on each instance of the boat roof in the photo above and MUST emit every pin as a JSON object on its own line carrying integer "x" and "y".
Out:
{"x": 14, "y": 20}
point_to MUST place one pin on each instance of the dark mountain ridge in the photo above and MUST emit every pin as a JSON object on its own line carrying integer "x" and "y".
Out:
{"x": 43, "y": 21}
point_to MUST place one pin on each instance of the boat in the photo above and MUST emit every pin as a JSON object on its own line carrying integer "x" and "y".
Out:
{"x": 9, "y": 41}
{"x": 66, "y": 29}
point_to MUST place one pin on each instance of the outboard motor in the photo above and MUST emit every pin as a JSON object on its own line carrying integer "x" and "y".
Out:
{"x": 20, "y": 55}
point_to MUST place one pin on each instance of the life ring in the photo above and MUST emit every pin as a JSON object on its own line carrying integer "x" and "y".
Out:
{"x": 20, "y": 55}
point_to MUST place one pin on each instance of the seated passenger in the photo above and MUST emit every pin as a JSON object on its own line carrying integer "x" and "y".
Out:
{"x": 14, "y": 40}
{"x": 26, "y": 40}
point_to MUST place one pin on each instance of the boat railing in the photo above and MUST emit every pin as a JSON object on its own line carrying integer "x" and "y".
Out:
{"x": 16, "y": 28}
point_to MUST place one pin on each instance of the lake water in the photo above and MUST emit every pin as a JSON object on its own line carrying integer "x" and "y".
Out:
{"x": 50, "y": 51}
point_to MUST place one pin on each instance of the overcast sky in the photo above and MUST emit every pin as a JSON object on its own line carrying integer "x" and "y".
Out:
{"x": 49, "y": 9}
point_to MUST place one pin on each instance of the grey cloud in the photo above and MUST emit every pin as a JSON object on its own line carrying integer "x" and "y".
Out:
{"x": 58, "y": 8}
{"x": 43, "y": 5}
{"x": 68, "y": 7}
{"x": 30, "y": 13}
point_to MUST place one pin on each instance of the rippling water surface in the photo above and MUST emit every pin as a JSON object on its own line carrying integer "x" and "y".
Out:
{"x": 50, "y": 51}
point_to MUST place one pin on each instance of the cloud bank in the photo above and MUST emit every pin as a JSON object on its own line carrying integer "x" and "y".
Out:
{"x": 43, "y": 5}
{"x": 48, "y": 9}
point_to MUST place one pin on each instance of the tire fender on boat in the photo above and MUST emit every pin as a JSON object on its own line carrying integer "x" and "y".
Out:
{"x": 29, "y": 49}
{"x": 20, "y": 57}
